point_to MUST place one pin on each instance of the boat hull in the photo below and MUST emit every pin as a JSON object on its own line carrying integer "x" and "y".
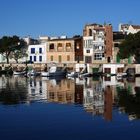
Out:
{"x": 53, "y": 74}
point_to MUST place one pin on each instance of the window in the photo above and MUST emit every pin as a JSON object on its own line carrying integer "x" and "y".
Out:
{"x": 90, "y": 32}
{"x": 98, "y": 56}
{"x": 116, "y": 45}
{"x": 51, "y": 46}
{"x": 120, "y": 70}
{"x": 40, "y": 58}
{"x": 32, "y": 50}
{"x": 68, "y": 44}
{"x": 87, "y": 51}
{"x": 30, "y": 58}
{"x": 84, "y": 43}
{"x": 51, "y": 58}
{"x": 88, "y": 59}
{"x": 40, "y": 50}
{"x": 68, "y": 47}
{"x": 34, "y": 58}
{"x": 68, "y": 57}
{"x": 108, "y": 59}
{"x": 59, "y": 58}
{"x": 59, "y": 47}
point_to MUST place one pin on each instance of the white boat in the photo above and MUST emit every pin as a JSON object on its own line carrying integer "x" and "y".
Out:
{"x": 54, "y": 72}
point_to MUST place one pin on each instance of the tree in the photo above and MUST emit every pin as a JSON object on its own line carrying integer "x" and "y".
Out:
{"x": 130, "y": 47}
{"x": 17, "y": 54}
{"x": 10, "y": 44}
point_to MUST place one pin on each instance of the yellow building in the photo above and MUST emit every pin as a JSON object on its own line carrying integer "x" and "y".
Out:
{"x": 61, "y": 51}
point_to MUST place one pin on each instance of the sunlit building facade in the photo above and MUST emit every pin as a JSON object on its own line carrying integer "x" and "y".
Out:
{"x": 98, "y": 43}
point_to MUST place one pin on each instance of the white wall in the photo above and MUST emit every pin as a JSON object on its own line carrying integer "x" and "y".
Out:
{"x": 132, "y": 30}
{"x": 113, "y": 67}
{"x": 37, "y": 54}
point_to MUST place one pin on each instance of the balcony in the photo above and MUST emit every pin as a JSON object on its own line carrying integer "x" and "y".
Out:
{"x": 60, "y": 49}
{"x": 98, "y": 48}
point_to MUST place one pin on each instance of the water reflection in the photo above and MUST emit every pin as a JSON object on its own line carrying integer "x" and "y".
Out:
{"x": 13, "y": 90}
{"x": 37, "y": 89}
{"x": 97, "y": 96}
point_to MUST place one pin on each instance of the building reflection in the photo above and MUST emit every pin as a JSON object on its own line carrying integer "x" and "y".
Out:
{"x": 79, "y": 93}
{"x": 98, "y": 97}
{"x": 94, "y": 97}
{"x": 108, "y": 102}
{"x": 61, "y": 91}
{"x": 37, "y": 89}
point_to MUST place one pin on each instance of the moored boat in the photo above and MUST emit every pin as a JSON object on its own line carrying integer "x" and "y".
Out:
{"x": 54, "y": 71}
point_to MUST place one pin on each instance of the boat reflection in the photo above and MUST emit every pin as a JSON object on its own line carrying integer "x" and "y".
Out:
{"x": 97, "y": 96}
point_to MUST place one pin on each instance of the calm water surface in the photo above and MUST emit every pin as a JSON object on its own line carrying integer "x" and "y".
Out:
{"x": 69, "y": 109}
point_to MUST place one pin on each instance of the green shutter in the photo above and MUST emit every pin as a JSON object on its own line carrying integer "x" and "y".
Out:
{"x": 129, "y": 60}
{"x": 118, "y": 59}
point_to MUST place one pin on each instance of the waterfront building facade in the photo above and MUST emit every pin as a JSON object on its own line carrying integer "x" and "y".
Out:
{"x": 98, "y": 43}
{"x": 64, "y": 51}
{"x": 37, "y": 53}
{"x": 60, "y": 51}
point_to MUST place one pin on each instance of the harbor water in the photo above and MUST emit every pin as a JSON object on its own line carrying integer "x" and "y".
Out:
{"x": 38, "y": 108}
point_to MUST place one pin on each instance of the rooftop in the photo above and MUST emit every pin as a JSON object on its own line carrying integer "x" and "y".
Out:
{"x": 136, "y": 26}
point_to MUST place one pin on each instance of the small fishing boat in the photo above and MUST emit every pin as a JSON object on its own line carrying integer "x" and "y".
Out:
{"x": 54, "y": 71}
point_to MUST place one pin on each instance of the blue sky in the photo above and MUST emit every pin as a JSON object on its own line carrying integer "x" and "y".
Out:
{"x": 63, "y": 17}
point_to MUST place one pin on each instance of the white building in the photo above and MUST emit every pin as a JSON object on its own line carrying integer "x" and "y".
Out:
{"x": 126, "y": 28}
{"x": 37, "y": 53}
{"x": 113, "y": 68}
